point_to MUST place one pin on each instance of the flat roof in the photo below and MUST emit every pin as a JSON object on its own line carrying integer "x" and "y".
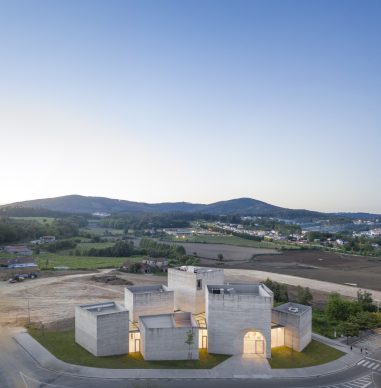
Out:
{"x": 292, "y": 308}
{"x": 17, "y": 260}
{"x": 103, "y": 308}
{"x": 147, "y": 289}
{"x": 235, "y": 289}
{"x": 196, "y": 269}
{"x": 163, "y": 321}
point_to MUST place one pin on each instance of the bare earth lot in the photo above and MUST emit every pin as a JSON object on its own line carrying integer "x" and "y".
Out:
{"x": 54, "y": 298}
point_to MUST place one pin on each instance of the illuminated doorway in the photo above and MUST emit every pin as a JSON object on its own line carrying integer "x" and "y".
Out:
{"x": 253, "y": 343}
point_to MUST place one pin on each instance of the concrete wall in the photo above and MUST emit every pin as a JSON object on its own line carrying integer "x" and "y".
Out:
{"x": 102, "y": 335}
{"x": 298, "y": 328}
{"x": 277, "y": 337}
{"x": 230, "y": 317}
{"x": 167, "y": 343}
{"x": 149, "y": 302}
{"x": 187, "y": 296}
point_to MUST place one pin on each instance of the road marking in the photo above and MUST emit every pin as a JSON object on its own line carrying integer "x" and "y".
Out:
{"x": 25, "y": 379}
{"x": 372, "y": 359}
{"x": 370, "y": 365}
{"x": 376, "y": 366}
{"x": 366, "y": 363}
{"x": 361, "y": 362}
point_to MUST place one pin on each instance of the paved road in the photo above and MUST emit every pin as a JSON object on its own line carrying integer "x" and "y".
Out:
{"x": 19, "y": 370}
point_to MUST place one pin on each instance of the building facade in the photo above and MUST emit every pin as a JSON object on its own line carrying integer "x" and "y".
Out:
{"x": 148, "y": 300}
{"x": 239, "y": 319}
{"x": 169, "y": 337}
{"x": 189, "y": 284}
{"x": 102, "y": 328}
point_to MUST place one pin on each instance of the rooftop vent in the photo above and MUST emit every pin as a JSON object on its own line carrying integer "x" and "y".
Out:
{"x": 293, "y": 309}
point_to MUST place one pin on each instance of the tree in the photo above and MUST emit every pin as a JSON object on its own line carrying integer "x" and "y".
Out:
{"x": 349, "y": 329}
{"x": 220, "y": 256}
{"x": 190, "y": 342}
{"x": 280, "y": 291}
{"x": 304, "y": 295}
{"x": 365, "y": 299}
{"x": 340, "y": 309}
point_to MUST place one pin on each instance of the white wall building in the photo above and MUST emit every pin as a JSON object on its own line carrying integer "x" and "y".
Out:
{"x": 297, "y": 322}
{"x": 189, "y": 283}
{"x": 239, "y": 319}
{"x": 224, "y": 318}
{"x": 148, "y": 300}
{"x": 102, "y": 328}
{"x": 164, "y": 337}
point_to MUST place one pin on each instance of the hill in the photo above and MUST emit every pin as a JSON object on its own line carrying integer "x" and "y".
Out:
{"x": 239, "y": 206}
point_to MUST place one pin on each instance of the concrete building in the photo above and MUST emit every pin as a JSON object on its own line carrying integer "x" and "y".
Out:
{"x": 297, "y": 322}
{"x": 239, "y": 319}
{"x": 102, "y": 328}
{"x": 222, "y": 318}
{"x": 189, "y": 283}
{"x": 148, "y": 300}
{"x": 164, "y": 337}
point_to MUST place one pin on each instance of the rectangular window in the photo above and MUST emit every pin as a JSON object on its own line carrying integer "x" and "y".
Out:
{"x": 199, "y": 284}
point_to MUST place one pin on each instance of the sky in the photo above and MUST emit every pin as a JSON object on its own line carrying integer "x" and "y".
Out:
{"x": 193, "y": 100}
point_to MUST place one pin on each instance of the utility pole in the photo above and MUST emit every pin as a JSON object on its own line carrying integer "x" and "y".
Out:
{"x": 28, "y": 312}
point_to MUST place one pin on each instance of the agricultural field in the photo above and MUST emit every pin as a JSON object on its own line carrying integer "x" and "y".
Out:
{"x": 319, "y": 265}
{"x": 98, "y": 231}
{"x": 51, "y": 260}
{"x": 225, "y": 239}
{"x": 41, "y": 220}
{"x": 208, "y": 253}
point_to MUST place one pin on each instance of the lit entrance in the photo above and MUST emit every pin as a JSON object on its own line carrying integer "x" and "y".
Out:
{"x": 253, "y": 343}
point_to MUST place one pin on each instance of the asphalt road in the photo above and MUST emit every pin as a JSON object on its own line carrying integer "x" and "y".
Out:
{"x": 19, "y": 370}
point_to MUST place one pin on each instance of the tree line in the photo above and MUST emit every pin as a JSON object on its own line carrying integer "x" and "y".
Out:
{"x": 16, "y": 230}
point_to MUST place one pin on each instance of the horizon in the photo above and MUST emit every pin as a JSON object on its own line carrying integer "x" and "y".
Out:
{"x": 180, "y": 201}
{"x": 197, "y": 101}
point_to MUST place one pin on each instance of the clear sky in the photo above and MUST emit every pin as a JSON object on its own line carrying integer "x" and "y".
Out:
{"x": 192, "y": 100}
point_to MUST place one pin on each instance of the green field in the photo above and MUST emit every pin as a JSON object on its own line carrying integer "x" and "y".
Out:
{"x": 42, "y": 220}
{"x": 316, "y": 353}
{"x": 62, "y": 345}
{"x": 101, "y": 231}
{"x": 51, "y": 260}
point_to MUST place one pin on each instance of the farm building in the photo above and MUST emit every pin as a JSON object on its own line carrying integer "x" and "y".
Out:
{"x": 10, "y": 267}
{"x": 21, "y": 250}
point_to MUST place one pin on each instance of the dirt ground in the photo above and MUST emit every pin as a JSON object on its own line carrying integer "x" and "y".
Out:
{"x": 319, "y": 265}
{"x": 53, "y": 299}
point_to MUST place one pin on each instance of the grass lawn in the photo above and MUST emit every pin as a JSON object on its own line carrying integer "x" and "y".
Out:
{"x": 315, "y": 353}
{"x": 62, "y": 345}
{"x": 81, "y": 262}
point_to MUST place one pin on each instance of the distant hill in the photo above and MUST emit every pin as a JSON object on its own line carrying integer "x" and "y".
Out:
{"x": 239, "y": 206}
